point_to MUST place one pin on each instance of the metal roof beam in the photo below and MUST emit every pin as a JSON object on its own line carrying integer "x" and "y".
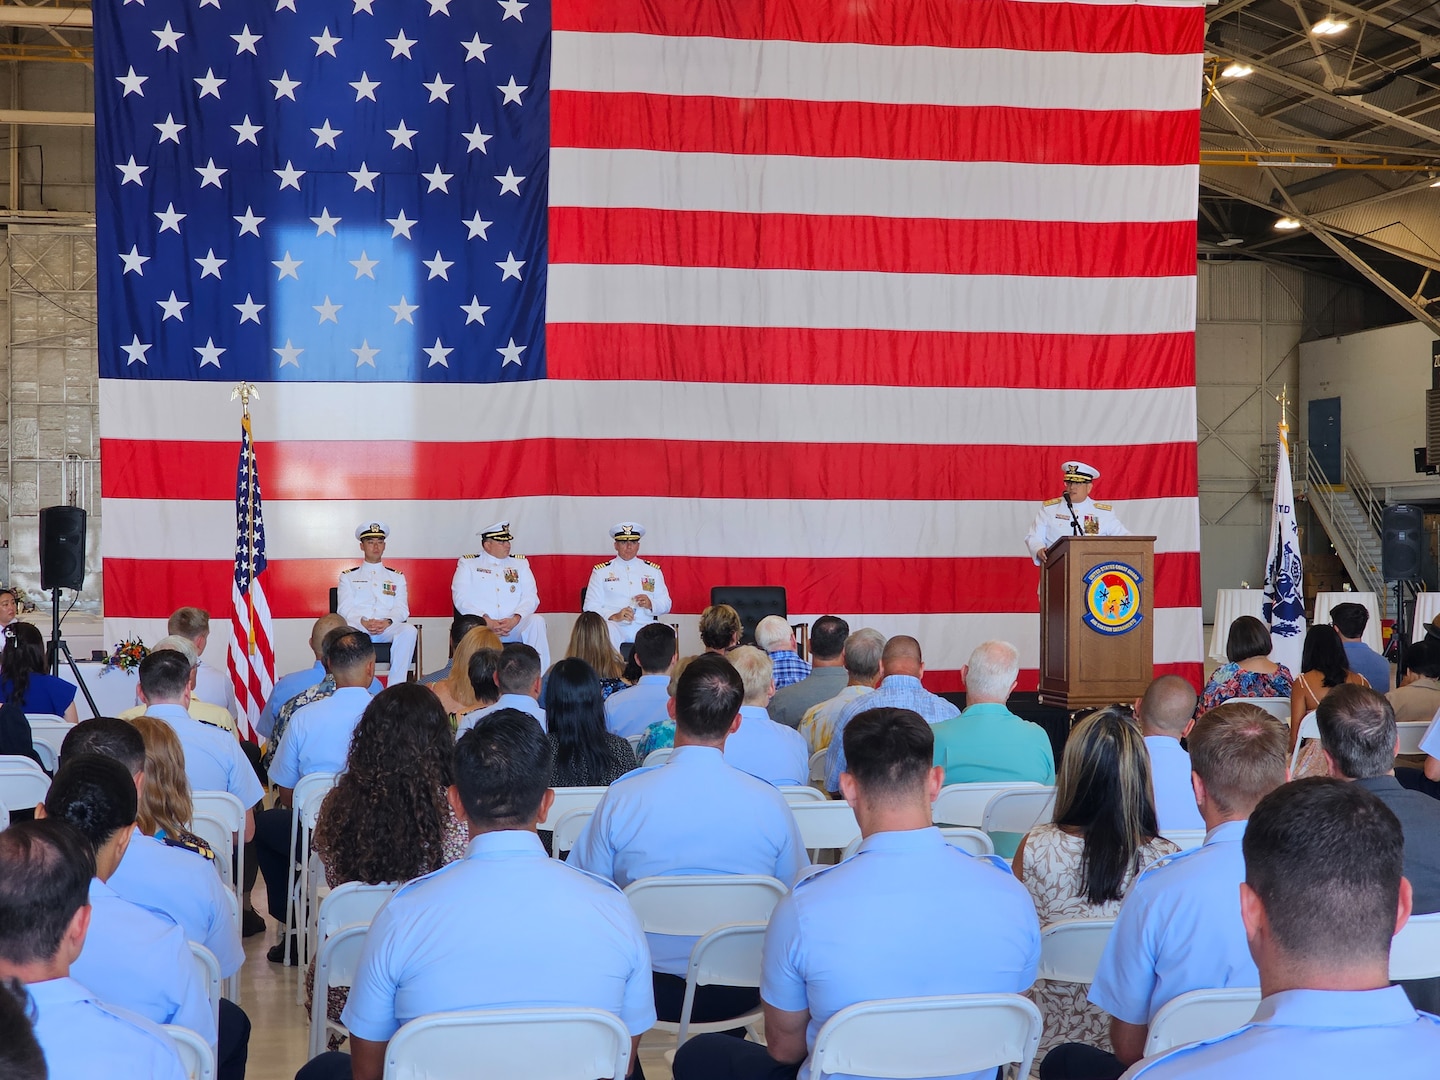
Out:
{"x": 75, "y": 18}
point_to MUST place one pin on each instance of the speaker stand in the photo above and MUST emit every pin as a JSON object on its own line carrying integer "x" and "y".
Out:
{"x": 58, "y": 646}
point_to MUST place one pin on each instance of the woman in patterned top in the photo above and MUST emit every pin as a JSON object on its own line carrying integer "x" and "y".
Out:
{"x": 1249, "y": 672}
{"x": 165, "y": 804}
{"x": 1080, "y": 866}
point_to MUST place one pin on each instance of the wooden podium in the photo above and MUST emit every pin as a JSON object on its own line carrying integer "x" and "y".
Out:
{"x": 1096, "y": 626}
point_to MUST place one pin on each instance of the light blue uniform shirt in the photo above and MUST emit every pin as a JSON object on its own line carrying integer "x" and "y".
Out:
{"x": 906, "y": 916}
{"x": 1318, "y": 1035}
{"x": 213, "y": 758}
{"x": 140, "y": 961}
{"x": 295, "y": 684}
{"x": 84, "y": 1038}
{"x": 1178, "y": 930}
{"x": 775, "y": 753}
{"x": 317, "y": 738}
{"x": 894, "y": 692}
{"x": 187, "y": 890}
{"x": 1174, "y": 794}
{"x": 524, "y": 702}
{"x": 693, "y": 815}
{"x": 506, "y": 926}
{"x": 630, "y": 711}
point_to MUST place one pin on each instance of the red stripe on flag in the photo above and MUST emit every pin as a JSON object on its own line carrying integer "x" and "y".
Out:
{"x": 974, "y": 24}
{"x": 631, "y": 236}
{"x": 674, "y": 469}
{"x": 863, "y": 129}
{"x": 298, "y": 588}
{"x": 749, "y": 354}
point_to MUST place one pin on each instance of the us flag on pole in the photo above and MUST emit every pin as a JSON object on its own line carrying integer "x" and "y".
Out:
{"x": 822, "y": 292}
{"x": 251, "y": 659}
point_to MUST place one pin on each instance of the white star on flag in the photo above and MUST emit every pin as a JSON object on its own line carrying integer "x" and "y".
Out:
{"x": 402, "y": 136}
{"x": 133, "y": 85}
{"x": 401, "y": 226}
{"x": 325, "y": 223}
{"x": 400, "y": 45}
{"x": 509, "y": 182}
{"x": 134, "y": 261}
{"x": 249, "y": 222}
{"x": 245, "y": 41}
{"x": 167, "y": 38}
{"x": 136, "y": 351}
{"x": 510, "y": 267}
{"x": 437, "y": 267}
{"x": 289, "y": 176}
{"x": 289, "y": 354}
{"x": 284, "y": 86}
{"x": 364, "y": 266}
{"x": 476, "y": 140}
{"x": 475, "y": 49}
{"x": 169, "y": 130}
{"x": 287, "y": 267}
{"x": 364, "y": 88}
{"x": 511, "y": 353}
{"x": 132, "y": 172}
{"x": 325, "y": 43}
{"x": 173, "y": 308}
{"x": 249, "y": 310}
{"x": 364, "y": 177}
{"x": 209, "y": 353}
{"x": 512, "y": 92}
{"x": 437, "y": 354}
{"x": 209, "y": 85}
{"x": 246, "y": 131}
{"x": 327, "y": 311}
{"x": 169, "y": 219}
{"x": 439, "y": 91}
{"x": 439, "y": 181}
{"x": 478, "y": 226}
{"x": 404, "y": 311}
{"x": 513, "y": 8}
{"x": 326, "y": 135}
{"x": 474, "y": 311}
{"x": 210, "y": 265}
{"x": 365, "y": 354}
{"x": 210, "y": 174}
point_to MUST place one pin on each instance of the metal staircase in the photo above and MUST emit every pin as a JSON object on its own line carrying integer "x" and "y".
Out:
{"x": 1349, "y": 511}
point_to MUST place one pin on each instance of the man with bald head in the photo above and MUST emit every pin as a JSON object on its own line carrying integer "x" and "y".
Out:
{"x": 288, "y": 686}
{"x": 1164, "y": 713}
{"x": 901, "y": 666}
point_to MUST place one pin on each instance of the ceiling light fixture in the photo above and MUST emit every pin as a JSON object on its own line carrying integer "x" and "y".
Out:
{"x": 1329, "y": 26}
{"x": 1236, "y": 70}
{"x": 1287, "y": 224}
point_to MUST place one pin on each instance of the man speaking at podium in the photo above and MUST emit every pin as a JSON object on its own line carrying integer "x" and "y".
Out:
{"x": 1073, "y": 513}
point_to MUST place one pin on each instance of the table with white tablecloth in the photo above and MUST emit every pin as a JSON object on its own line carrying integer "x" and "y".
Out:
{"x": 1427, "y": 606}
{"x": 113, "y": 691}
{"x": 1326, "y": 600}
{"x": 1230, "y": 604}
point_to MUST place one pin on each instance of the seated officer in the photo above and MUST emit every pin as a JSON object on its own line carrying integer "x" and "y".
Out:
{"x": 505, "y": 926}
{"x": 132, "y": 957}
{"x": 1321, "y": 899}
{"x": 45, "y": 873}
{"x": 627, "y": 592}
{"x": 696, "y": 814}
{"x": 372, "y": 596}
{"x": 500, "y": 588}
{"x": 906, "y": 916}
{"x": 1179, "y": 927}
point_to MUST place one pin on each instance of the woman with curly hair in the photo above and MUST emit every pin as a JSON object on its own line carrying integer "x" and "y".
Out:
{"x": 165, "y": 805}
{"x": 456, "y": 694}
{"x": 387, "y": 818}
{"x": 25, "y": 679}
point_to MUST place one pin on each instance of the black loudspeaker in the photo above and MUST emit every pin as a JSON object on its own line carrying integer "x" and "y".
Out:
{"x": 62, "y": 547}
{"x": 1400, "y": 537}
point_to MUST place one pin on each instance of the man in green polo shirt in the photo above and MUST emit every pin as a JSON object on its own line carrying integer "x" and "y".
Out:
{"x": 987, "y": 743}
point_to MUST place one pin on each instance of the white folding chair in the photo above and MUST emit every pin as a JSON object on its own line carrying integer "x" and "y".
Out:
{"x": 4, "y": 818}
{"x": 218, "y": 818}
{"x": 964, "y": 804}
{"x": 23, "y": 784}
{"x": 658, "y": 757}
{"x": 1309, "y": 729}
{"x": 828, "y": 824}
{"x": 340, "y": 927}
{"x": 1186, "y": 839}
{"x": 635, "y": 741}
{"x": 306, "y": 799}
{"x": 1200, "y": 1014}
{"x": 571, "y": 798}
{"x": 558, "y": 1044}
{"x": 928, "y": 1036}
{"x": 1415, "y": 950}
{"x": 47, "y": 732}
{"x": 1411, "y": 732}
{"x": 1278, "y": 707}
{"x": 568, "y": 829}
{"x": 817, "y": 767}
{"x": 795, "y": 793}
{"x": 727, "y": 956}
{"x": 970, "y": 841}
{"x": 207, "y": 967}
{"x": 196, "y": 1056}
{"x": 230, "y": 987}
{"x": 1070, "y": 950}
{"x": 1018, "y": 811}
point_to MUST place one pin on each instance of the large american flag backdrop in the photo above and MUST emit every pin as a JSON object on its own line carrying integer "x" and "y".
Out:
{"x": 821, "y": 291}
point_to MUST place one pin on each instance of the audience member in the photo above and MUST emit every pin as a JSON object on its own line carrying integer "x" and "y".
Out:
{"x": 1165, "y": 715}
{"x": 211, "y": 683}
{"x": 517, "y": 676}
{"x": 460, "y": 625}
{"x": 388, "y": 817}
{"x": 456, "y": 692}
{"x": 1358, "y": 737}
{"x": 9, "y": 606}
{"x": 206, "y": 713}
{"x": 773, "y": 752}
{"x": 987, "y": 743}
{"x": 720, "y": 628}
{"x": 132, "y": 957}
{"x": 661, "y": 734}
{"x": 1350, "y": 620}
{"x": 166, "y": 804}
{"x": 25, "y": 679}
{"x": 586, "y": 754}
{"x": 696, "y": 814}
{"x": 20, "y": 1055}
{"x": 862, "y": 668}
{"x": 1322, "y": 896}
{"x": 590, "y": 641}
{"x": 1081, "y": 865}
{"x": 1427, "y": 778}
{"x": 1417, "y": 698}
{"x": 291, "y": 686}
{"x": 901, "y": 667}
{"x": 827, "y": 673}
{"x": 46, "y": 869}
{"x": 774, "y": 635}
{"x": 503, "y": 926}
{"x": 1179, "y": 926}
{"x": 1323, "y": 666}
{"x": 631, "y": 711}
{"x": 906, "y": 916}
{"x": 1248, "y": 671}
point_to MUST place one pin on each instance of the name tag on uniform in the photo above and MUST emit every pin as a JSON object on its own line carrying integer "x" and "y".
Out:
{"x": 648, "y": 584}
{"x": 512, "y": 576}
{"x": 388, "y": 588}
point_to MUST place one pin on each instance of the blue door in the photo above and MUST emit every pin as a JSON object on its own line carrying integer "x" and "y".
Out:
{"x": 1325, "y": 436}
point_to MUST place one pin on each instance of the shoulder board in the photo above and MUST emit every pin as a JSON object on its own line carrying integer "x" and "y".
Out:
{"x": 647, "y": 562}
{"x": 517, "y": 556}
{"x": 397, "y": 573}
{"x": 602, "y": 565}
{"x": 351, "y": 570}
{"x": 191, "y": 844}
{"x": 1052, "y": 502}
{"x": 1103, "y": 506}
{"x": 475, "y": 556}
{"x": 597, "y": 878}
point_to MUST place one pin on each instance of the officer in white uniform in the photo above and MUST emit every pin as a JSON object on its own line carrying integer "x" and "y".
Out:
{"x": 627, "y": 592}
{"x": 1082, "y": 517}
{"x": 500, "y": 588}
{"x": 372, "y": 597}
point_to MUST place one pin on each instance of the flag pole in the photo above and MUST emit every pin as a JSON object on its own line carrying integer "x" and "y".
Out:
{"x": 245, "y": 391}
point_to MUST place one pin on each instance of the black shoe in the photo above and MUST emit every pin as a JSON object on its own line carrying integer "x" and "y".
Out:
{"x": 251, "y": 923}
{"x": 276, "y": 955}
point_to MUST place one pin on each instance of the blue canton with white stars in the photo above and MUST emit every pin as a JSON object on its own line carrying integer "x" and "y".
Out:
{"x": 249, "y": 518}
{"x": 322, "y": 190}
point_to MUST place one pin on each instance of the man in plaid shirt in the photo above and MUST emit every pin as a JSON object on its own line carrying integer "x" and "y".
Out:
{"x": 773, "y": 634}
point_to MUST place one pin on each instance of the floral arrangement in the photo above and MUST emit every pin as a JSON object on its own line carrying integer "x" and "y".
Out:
{"x": 126, "y": 655}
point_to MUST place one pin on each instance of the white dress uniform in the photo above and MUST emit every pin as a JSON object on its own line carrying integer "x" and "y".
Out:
{"x": 499, "y": 588}
{"x": 615, "y": 584}
{"x": 1054, "y": 521}
{"x": 374, "y": 591}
